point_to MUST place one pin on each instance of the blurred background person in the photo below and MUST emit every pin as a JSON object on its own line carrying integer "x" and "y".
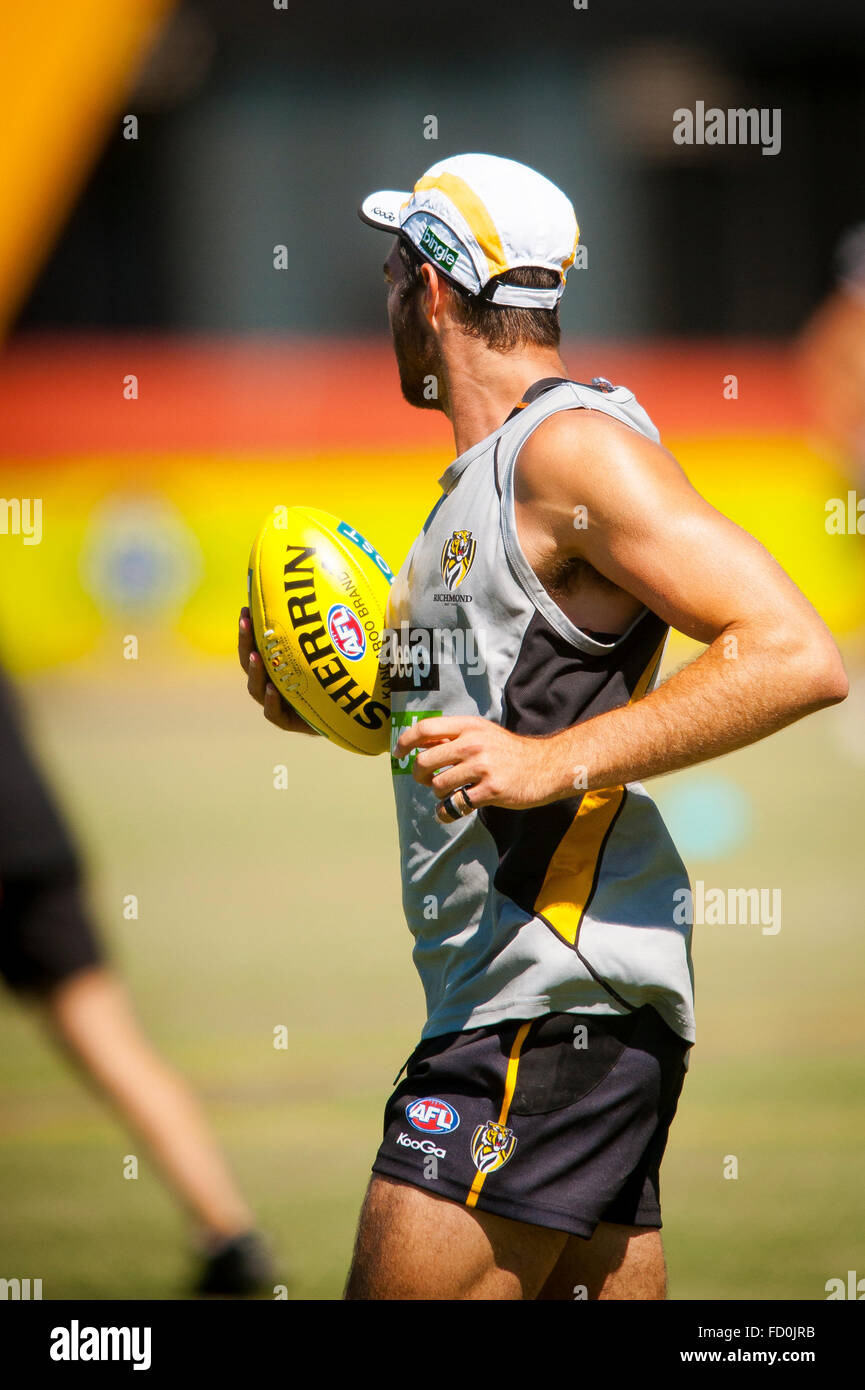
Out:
{"x": 50, "y": 955}
{"x": 831, "y": 352}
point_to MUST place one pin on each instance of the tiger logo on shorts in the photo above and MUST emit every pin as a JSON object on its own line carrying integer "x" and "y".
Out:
{"x": 458, "y": 554}
{"x": 492, "y": 1146}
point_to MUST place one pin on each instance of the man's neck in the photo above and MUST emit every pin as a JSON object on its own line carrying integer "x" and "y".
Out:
{"x": 483, "y": 386}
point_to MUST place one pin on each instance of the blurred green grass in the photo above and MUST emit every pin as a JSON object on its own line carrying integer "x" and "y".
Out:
{"x": 261, "y": 908}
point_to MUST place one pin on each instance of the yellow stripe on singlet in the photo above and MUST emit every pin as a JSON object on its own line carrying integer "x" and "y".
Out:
{"x": 571, "y": 873}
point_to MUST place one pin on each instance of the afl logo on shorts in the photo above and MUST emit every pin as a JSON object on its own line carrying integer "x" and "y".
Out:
{"x": 492, "y": 1146}
{"x": 346, "y": 633}
{"x": 458, "y": 555}
{"x": 432, "y": 1115}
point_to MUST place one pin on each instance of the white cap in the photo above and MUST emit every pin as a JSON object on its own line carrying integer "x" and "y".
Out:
{"x": 474, "y": 216}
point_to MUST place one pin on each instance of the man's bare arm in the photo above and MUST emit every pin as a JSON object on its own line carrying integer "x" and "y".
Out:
{"x": 770, "y": 658}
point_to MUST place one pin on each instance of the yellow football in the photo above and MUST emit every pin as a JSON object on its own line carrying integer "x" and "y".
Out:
{"x": 317, "y": 594}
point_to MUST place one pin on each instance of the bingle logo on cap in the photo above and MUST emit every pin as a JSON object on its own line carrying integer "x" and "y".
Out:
{"x": 441, "y": 254}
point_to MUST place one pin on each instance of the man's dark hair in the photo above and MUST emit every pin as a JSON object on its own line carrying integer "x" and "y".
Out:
{"x": 501, "y": 326}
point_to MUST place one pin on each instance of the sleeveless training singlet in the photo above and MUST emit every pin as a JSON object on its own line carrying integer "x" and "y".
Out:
{"x": 570, "y": 907}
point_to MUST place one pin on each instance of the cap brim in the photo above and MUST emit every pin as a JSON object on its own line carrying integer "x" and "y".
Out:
{"x": 382, "y": 209}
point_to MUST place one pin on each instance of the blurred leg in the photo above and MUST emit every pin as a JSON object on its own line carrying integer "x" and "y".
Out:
{"x": 93, "y": 1015}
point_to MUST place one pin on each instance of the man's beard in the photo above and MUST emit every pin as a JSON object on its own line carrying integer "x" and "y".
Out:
{"x": 418, "y": 359}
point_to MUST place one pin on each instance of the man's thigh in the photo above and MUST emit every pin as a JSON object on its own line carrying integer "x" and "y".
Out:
{"x": 412, "y": 1244}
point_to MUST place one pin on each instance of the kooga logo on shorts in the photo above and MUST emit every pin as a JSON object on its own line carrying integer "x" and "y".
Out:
{"x": 426, "y": 1146}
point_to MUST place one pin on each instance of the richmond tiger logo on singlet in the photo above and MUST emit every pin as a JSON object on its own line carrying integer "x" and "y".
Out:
{"x": 458, "y": 554}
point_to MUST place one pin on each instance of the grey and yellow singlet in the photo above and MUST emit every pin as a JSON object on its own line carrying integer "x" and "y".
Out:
{"x": 561, "y": 908}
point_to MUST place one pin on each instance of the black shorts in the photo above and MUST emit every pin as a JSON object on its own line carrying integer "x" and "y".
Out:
{"x": 46, "y": 934}
{"x": 45, "y": 930}
{"x": 559, "y": 1121}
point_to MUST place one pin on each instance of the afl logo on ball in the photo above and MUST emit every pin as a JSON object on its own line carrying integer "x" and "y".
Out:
{"x": 346, "y": 633}
{"x": 492, "y": 1146}
{"x": 432, "y": 1115}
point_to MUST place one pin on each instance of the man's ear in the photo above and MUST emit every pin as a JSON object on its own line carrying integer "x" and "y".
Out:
{"x": 431, "y": 294}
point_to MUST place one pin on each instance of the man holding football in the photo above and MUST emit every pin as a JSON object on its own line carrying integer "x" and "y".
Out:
{"x": 522, "y": 1147}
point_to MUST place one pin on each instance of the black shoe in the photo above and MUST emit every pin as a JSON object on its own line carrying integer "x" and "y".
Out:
{"x": 239, "y": 1268}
